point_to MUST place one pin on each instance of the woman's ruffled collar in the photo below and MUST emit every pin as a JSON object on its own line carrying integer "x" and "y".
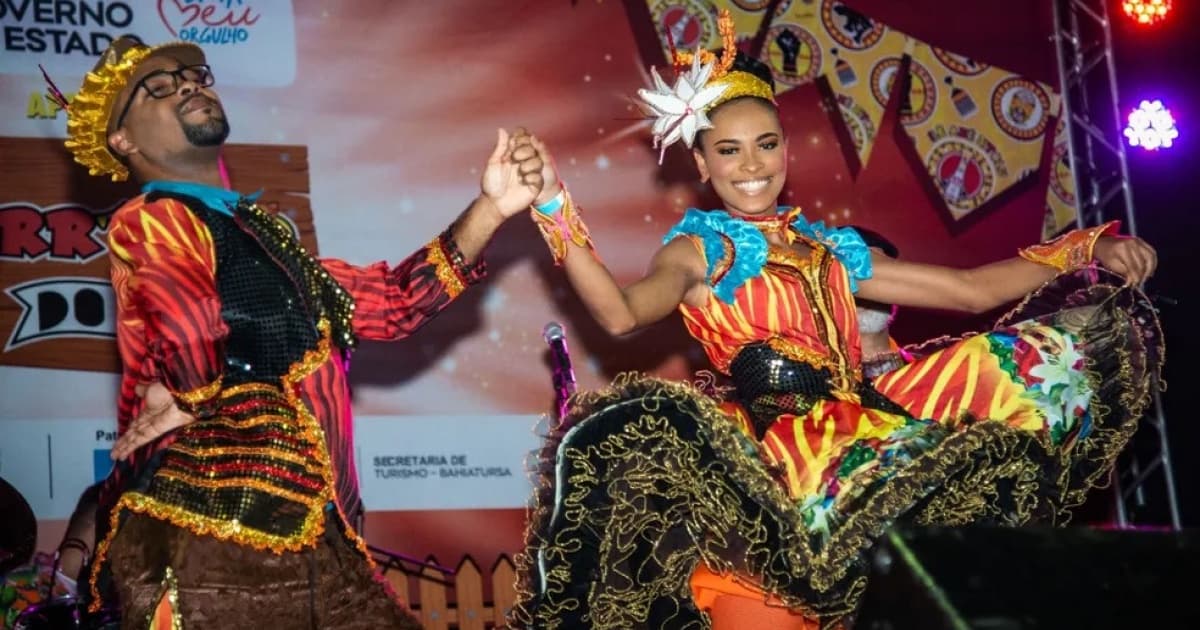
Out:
{"x": 714, "y": 227}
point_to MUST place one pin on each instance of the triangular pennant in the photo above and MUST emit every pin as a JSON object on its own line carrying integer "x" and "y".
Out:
{"x": 858, "y": 59}
{"x": 686, "y": 25}
{"x": 1061, "y": 212}
{"x": 977, "y": 130}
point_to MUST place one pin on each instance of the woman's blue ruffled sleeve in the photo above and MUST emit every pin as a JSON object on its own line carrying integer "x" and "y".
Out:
{"x": 713, "y": 228}
{"x": 845, "y": 243}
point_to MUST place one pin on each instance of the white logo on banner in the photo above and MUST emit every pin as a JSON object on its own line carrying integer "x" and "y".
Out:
{"x": 63, "y": 307}
{"x": 444, "y": 462}
{"x": 66, "y": 36}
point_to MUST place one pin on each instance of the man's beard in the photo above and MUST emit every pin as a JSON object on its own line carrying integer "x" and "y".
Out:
{"x": 872, "y": 321}
{"x": 209, "y": 133}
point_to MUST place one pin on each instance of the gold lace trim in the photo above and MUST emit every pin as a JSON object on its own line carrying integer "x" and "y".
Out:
{"x": 964, "y": 471}
{"x": 314, "y": 522}
{"x": 446, "y": 272}
{"x": 170, "y": 590}
{"x": 202, "y": 393}
{"x": 1071, "y": 251}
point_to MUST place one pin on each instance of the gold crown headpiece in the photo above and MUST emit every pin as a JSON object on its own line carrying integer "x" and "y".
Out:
{"x": 680, "y": 112}
{"x": 89, "y": 112}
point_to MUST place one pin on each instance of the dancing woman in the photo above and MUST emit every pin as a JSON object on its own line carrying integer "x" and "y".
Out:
{"x": 667, "y": 508}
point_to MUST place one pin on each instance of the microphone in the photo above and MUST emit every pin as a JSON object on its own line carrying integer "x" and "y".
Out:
{"x": 560, "y": 362}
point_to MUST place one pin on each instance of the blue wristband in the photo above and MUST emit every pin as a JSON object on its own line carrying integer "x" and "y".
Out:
{"x": 554, "y": 205}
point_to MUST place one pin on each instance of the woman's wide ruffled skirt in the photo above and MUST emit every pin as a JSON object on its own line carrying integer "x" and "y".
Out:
{"x": 649, "y": 478}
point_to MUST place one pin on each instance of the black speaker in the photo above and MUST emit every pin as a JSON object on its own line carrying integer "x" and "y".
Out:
{"x": 1025, "y": 578}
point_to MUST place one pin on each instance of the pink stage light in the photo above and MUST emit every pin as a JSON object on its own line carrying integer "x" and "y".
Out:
{"x": 1151, "y": 126}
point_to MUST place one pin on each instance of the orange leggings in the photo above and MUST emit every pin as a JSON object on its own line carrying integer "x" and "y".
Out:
{"x": 734, "y": 604}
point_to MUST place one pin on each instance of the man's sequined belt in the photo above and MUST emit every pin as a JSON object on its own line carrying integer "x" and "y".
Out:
{"x": 257, "y": 472}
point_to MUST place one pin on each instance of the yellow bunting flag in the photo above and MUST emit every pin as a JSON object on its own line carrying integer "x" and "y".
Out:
{"x": 1060, "y": 195}
{"x": 984, "y": 129}
{"x": 691, "y": 24}
{"x": 858, "y": 58}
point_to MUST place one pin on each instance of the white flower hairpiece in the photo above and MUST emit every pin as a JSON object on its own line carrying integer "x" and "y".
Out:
{"x": 679, "y": 112}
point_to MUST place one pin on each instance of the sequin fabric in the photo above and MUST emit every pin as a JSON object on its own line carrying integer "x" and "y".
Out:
{"x": 769, "y": 384}
{"x": 250, "y": 333}
{"x": 249, "y": 466}
{"x": 1072, "y": 250}
{"x": 271, "y": 318}
{"x": 254, "y": 467}
{"x": 325, "y": 297}
{"x": 200, "y": 325}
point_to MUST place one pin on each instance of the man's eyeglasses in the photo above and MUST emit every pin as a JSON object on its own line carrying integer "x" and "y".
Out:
{"x": 164, "y": 83}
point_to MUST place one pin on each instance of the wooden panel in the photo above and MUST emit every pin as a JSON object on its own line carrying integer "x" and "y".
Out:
{"x": 504, "y": 584}
{"x": 398, "y": 580}
{"x": 468, "y": 595}
{"x": 53, "y": 255}
{"x": 432, "y": 591}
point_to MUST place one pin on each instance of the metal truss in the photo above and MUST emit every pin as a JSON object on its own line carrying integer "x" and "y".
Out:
{"x": 1144, "y": 482}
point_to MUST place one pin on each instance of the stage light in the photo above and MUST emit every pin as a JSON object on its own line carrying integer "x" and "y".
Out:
{"x": 1151, "y": 126}
{"x": 1146, "y": 11}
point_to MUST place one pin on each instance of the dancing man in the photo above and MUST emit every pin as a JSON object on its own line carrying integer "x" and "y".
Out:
{"x": 236, "y": 337}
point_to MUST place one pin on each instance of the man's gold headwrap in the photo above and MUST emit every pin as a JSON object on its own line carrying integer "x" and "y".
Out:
{"x": 89, "y": 113}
